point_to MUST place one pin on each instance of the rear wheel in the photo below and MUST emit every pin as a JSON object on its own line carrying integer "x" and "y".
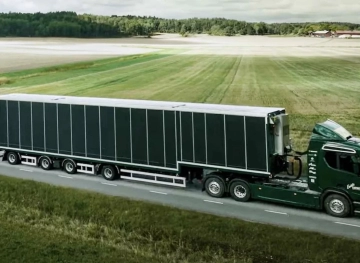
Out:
{"x": 45, "y": 163}
{"x": 337, "y": 205}
{"x": 13, "y": 158}
{"x": 215, "y": 187}
{"x": 69, "y": 166}
{"x": 109, "y": 172}
{"x": 240, "y": 191}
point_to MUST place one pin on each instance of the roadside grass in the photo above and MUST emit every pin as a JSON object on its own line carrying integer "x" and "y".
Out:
{"x": 312, "y": 89}
{"x": 44, "y": 223}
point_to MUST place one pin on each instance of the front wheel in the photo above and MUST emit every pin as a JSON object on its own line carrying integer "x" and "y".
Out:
{"x": 337, "y": 205}
{"x": 215, "y": 187}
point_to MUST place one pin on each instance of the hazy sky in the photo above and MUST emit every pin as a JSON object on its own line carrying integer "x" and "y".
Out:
{"x": 249, "y": 10}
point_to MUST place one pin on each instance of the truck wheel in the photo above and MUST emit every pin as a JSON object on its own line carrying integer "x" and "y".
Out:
{"x": 13, "y": 158}
{"x": 69, "y": 166}
{"x": 215, "y": 187}
{"x": 337, "y": 205}
{"x": 240, "y": 191}
{"x": 45, "y": 163}
{"x": 108, "y": 172}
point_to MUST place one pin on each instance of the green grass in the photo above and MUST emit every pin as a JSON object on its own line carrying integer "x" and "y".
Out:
{"x": 43, "y": 223}
{"x": 312, "y": 89}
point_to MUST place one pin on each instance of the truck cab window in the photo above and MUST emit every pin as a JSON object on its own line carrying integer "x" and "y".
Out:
{"x": 340, "y": 161}
{"x": 330, "y": 158}
{"x": 346, "y": 163}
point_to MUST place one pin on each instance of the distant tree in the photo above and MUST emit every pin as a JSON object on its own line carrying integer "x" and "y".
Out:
{"x": 70, "y": 24}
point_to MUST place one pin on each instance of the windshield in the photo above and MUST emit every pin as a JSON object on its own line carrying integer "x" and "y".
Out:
{"x": 338, "y": 129}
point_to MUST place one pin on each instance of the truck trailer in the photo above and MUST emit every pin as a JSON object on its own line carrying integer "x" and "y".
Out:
{"x": 244, "y": 152}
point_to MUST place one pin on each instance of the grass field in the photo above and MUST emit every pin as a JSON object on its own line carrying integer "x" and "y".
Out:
{"x": 311, "y": 87}
{"x": 42, "y": 223}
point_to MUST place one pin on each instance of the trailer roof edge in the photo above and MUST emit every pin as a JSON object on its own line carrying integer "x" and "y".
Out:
{"x": 241, "y": 110}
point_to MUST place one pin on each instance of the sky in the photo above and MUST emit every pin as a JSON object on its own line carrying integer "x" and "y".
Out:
{"x": 247, "y": 10}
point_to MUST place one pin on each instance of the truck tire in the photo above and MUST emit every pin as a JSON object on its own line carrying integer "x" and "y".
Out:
{"x": 240, "y": 191}
{"x": 109, "y": 172}
{"x": 215, "y": 187}
{"x": 45, "y": 163}
{"x": 13, "y": 158}
{"x": 69, "y": 166}
{"x": 337, "y": 205}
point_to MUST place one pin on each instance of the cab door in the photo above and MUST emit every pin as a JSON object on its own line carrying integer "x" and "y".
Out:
{"x": 339, "y": 171}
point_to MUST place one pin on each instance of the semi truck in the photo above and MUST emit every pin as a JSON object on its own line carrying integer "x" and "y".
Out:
{"x": 244, "y": 152}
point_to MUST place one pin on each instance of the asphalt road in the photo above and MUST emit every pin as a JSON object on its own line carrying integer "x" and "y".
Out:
{"x": 194, "y": 199}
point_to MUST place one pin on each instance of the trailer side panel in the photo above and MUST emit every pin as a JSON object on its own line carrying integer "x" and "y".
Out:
{"x": 107, "y": 133}
{"x": 51, "y": 128}
{"x": 235, "y": 141}
{"x": 4, "y": 125}
{"x": 25, "y": 125}
{"x": 13, "y": 118}
{"x": 78, "y": 130}
{"x": 170, "y": 139}
{"x": 92, "y": 132}
{"x": 139, "y": 136}
{"x": 187, "y": 149}
{"x": 38, "y": 126}
{"x": 156, "y": 138}
{"x": 256, "y": 143}
{"x": 123, "y": 135}
{"x": 64, "y": 129}
{"x": 199, "y": 138}
{"x": 215, "y": 139}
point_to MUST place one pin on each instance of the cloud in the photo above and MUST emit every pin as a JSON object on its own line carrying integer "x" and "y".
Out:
{"x": 248, "y": 10}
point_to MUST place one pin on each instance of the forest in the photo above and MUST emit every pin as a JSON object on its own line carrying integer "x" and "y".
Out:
{"x": 71, "y": 24}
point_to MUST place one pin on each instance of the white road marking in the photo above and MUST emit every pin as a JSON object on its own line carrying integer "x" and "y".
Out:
{"x": 209, "y": 201}
{"x": 275, "y": 212}
{"x": 26, "y": 170}
{"x": 109, "y": 184}
{"x": 161, "y": 193}
{"x": 340, "y": 223}
{"x": 64, "y": 176}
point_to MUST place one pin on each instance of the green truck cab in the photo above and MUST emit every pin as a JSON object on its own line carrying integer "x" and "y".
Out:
{"x": 331, "y": 181}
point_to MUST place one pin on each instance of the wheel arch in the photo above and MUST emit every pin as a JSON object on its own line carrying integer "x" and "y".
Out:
{"x": 101, "y": 165}
{"x": 44, "y": 156}
{"x": 237, "y": 180}
{"x": 68, "y": 159}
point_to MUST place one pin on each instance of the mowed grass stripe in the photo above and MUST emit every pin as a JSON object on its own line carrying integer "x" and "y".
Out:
{"x": 72, "y": 72}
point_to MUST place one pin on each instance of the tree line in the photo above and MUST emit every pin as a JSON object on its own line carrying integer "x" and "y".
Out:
{"x": 71, "y": 24}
